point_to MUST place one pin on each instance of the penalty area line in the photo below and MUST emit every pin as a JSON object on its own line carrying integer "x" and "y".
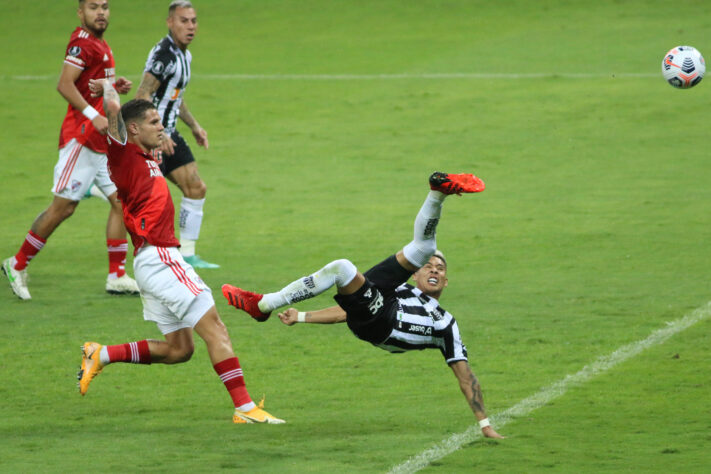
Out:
{"x": 553, "y": 391}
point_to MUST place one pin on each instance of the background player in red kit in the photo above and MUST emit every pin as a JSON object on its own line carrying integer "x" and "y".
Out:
{"x": 82, "y": 152}
{"x": 173, "y": 295}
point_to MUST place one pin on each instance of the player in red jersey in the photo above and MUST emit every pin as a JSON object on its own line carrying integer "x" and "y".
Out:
{"x": 173, "y": 295}
{"x": 82, "y": 152}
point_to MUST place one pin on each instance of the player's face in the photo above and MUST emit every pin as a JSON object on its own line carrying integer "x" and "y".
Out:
{"x": 94, "y": 16}
{"x": 431, "y": 279}
{"x": 150, "y": 130}
{"x": 183, "y": 26}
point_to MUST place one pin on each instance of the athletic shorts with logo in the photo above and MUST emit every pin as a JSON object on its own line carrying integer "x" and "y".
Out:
{"x": 77, "y": 169}
{"x": 173, "y": 294}
{"x": 371, "y": 311}
{"x": 182, "y": 155}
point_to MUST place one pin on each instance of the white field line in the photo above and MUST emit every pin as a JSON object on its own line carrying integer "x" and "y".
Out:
{"x": 557, "y": 389}
{"x": 379, "y": 77}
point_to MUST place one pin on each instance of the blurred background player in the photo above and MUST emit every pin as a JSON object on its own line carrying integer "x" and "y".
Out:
{"x": 379, "y": 306}
{"x": 82, "y": 152}
{"x": 173, "y": 295}
{"x": 165, "y": 78}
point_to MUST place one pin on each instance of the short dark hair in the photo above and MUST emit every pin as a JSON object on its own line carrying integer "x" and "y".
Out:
{"x": 440, "y": 256}
{"x": 178, "y": 4}
{"x": 135, "y": 109}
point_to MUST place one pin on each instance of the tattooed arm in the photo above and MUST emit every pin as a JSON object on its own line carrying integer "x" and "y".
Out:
{"x": 112, "y": 107}
{"x": 469, "y": 385}
{"x": 149, "y": 84}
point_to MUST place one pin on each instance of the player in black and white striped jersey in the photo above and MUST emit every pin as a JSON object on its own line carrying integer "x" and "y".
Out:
{"x": 379, "y": 306}
{"x": 165, "y": 77}
{"x": 421, "y": 322}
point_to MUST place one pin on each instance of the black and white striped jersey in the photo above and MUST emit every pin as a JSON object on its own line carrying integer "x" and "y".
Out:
{"x": 171, "y": 67}
{"x": 421, "y": 323}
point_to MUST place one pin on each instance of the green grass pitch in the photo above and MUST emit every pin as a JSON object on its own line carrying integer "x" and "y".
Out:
{"x": 594, "y": 231}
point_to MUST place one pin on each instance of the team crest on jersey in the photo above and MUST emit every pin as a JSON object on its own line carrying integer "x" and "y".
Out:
{"x": 106, "y": 57}
{"x": 74, "y": 51}
{"x": 157, "y": 155}
{"x": 158, "y": 68}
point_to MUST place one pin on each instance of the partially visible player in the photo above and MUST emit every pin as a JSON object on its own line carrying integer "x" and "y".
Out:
{"x": 379, "y": 305}
{"x": 173, "y": 295}
{"x": 165, "y": 78}
{"x": 82, "y": 152}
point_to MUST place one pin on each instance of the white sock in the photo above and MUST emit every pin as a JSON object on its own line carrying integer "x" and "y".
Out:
{"x": 246, "y": 407}
{"x": 187, "y": 247}
{"x": 190, "y": 222}
{"x": 424, "y": 244}
{"x": 104, "y": 355}
{"x": 339, "y": 273}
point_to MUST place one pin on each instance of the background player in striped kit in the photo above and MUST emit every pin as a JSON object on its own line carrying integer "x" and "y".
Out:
{"x": 173, "y": 295}
{"x": 165, "y": 78}
{"x": 82, "y": 152}
{"x": 379, "y": 306}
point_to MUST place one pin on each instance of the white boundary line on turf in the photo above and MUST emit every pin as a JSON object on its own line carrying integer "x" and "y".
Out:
{"x": 557, "y": 389}
{"x": 370, "y": 77}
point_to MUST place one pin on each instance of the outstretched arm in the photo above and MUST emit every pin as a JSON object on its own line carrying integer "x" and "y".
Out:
{"x": 112, "y": 107}
{"x": 469, "y": 385}
{"x": 334, "y": 314}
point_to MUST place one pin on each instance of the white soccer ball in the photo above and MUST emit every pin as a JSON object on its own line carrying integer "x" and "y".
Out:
{"x": 683, "y": 67}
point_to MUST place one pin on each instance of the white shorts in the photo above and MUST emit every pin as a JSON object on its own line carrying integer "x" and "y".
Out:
{"x": 173, "y": 295}
{"x": 77, "y": 169}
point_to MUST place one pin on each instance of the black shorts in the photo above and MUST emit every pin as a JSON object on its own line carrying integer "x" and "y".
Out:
{"x": 371, "y": 311}
{"x": 181, "y": 157}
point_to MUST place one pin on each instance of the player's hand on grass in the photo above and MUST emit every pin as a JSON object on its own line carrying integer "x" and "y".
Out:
{"x": 167, "y": 145}
{"x": 489, "y": 432}
{"x": 200, "y": 135}
{"x": 288, "y": 317}
{"x": 123, "y": 85}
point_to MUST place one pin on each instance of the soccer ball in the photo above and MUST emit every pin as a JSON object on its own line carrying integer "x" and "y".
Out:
{"x": 683, "y": 67}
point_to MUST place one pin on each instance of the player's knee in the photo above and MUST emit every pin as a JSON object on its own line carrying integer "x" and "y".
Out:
{"x": 59, "y": 213}
{"x": 182, "y": 353}
{"x": 221, "y": 334}
{"x": 115, "y": 204}
{"x": 197, "y": 190}
{"x": 343, "y": 270}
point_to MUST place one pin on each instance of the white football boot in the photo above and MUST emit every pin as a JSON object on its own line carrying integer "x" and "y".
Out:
{"x": 123, "y": 285}
{"x": 17, "y": 278}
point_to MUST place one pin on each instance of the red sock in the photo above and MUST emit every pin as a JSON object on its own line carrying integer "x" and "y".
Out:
{"x": 231, "y": 375}
{"x": 133, "y": 352}
{"x": 117, "y": 256}
{"x": 33, "y": 243}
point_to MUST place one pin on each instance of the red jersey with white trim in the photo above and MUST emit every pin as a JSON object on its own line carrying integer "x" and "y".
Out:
{"x": 94, "y": 57}
{"x": 148, "y": 210}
